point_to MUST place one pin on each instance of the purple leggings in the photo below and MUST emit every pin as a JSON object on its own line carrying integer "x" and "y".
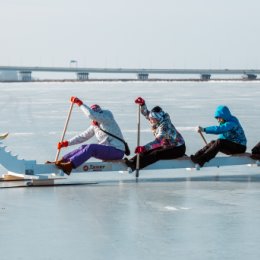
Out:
{"x": 99, "y": 151}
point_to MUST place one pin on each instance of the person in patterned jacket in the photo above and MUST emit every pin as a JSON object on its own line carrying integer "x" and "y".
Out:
{"x": 108, "y": 147}
{"x": 231, "y": 140}
{"x": 168, "y": 143}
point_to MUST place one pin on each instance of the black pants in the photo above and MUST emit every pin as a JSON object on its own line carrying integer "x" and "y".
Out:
{"x": 220, "y": 145}
{"x": 256, "y": 149}
{"x": 153, "y": 156}
{"x": 256, "y": 152}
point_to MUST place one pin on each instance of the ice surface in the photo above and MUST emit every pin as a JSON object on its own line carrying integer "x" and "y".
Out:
{"x": 153, "y": 219}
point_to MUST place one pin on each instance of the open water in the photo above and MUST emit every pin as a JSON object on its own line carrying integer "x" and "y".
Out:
{"x": 159, "y": 218}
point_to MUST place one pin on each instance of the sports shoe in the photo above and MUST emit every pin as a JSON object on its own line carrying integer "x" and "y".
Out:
{"x": 196, "y": 161}
{"x": 129, "y": 170}
{"x": 65, "y": 167}
{"x": 130, "y": 165}
{"x": 50, "y": 162}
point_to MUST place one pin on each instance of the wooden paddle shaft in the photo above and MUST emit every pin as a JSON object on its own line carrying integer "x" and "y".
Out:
{"x": 138, "y": 142}
{"x": 64, "y": 130}
{"x": 202, "y": 136}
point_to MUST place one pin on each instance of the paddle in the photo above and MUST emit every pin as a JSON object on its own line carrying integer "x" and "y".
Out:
{"x": 138, "y": 142}
{"x": 3, "y": 136}
{"x": 202, "y": 136}
{"x": 64, "y": 130}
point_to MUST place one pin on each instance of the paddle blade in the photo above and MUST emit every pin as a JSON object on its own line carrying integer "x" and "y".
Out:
{"x": 3, "y": 136}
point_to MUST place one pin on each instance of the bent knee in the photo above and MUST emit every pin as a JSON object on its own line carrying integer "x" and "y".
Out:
{"x": 89, "y": 147}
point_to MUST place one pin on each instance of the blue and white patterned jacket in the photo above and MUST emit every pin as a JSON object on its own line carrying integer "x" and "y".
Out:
{"x": 165, "y": 133}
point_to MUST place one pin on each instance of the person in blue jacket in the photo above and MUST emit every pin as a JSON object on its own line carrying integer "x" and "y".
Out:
{"x": 231, "y": 139}
{"x": 256, "y": 152}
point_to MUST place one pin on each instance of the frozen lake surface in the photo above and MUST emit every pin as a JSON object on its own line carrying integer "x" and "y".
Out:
{"x": 117, "y": 218}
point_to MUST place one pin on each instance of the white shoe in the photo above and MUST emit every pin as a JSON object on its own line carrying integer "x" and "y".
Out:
{"x": 129, "y": 170}
{"x": 197, "y": 166}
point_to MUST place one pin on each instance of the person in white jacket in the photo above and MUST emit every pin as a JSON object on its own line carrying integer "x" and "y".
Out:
{"x": 107, "y": 148}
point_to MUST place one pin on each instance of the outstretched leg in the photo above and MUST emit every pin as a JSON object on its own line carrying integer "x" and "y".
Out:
{"x": 153, "y": 156}
{"x": 98, "y": 151}
{"x": 77, "y": 157}
{"x": 210, "y": 151}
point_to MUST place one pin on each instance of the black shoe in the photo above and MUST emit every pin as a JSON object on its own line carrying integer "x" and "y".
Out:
{"x": 129, "y": 164}
{"x": 200, "y": 163}
{"x": 196, "y": 161}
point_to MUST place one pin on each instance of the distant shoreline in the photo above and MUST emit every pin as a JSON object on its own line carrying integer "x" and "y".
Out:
{"x": 129, "y": 80}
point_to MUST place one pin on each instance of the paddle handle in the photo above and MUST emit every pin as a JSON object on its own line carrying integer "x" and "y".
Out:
{"x": 64, "y": 130}
{"x": 202, "y": 136}
{"x": 138, "y": 142}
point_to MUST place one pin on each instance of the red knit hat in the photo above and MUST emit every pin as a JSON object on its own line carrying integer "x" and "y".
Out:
{"x": 95, "y": 108}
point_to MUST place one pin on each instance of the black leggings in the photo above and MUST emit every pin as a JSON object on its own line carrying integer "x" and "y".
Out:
{"x": 256, "y": 149}
{"x": 220, "y": 145}
{"x": 155, "y": 155}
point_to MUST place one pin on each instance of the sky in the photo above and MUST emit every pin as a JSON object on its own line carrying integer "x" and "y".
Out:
{"x": 178, "y": 34}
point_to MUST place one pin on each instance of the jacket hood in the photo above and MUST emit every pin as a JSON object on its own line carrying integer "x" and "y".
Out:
{"x": 157, "y": 113}
{"x": 223, "y": 112}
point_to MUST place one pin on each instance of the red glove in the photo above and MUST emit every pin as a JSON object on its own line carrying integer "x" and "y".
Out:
{"x": 95, "y": 123}
{"x": 140, "y": 101}
{"x": 76, "y": 100}
{"x": 62, "y": 144}
{"x": 140, "y": 149}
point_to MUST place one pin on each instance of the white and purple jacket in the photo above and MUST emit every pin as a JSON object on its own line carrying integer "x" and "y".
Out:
{"x": 107, "y": 122}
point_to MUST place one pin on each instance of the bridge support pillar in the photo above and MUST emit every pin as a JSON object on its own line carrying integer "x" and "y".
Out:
{"x": 205, "y": 76}
{"x": 143, "y": 76}
{"x": 25, "y": 75}
{"x": 82, "y": 76}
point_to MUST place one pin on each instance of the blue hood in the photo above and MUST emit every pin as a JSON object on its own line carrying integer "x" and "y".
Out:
{"x": 223, "y": 112}
{"x": 229, "y": 130}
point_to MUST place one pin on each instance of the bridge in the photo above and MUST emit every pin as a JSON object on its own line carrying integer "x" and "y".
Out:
{"x": 25, "y": 72}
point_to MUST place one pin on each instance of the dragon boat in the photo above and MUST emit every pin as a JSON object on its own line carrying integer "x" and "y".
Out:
{"x": 21, "y": 169}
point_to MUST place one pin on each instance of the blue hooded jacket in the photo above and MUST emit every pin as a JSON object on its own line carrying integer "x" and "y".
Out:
{"x": 229, "y": 130}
